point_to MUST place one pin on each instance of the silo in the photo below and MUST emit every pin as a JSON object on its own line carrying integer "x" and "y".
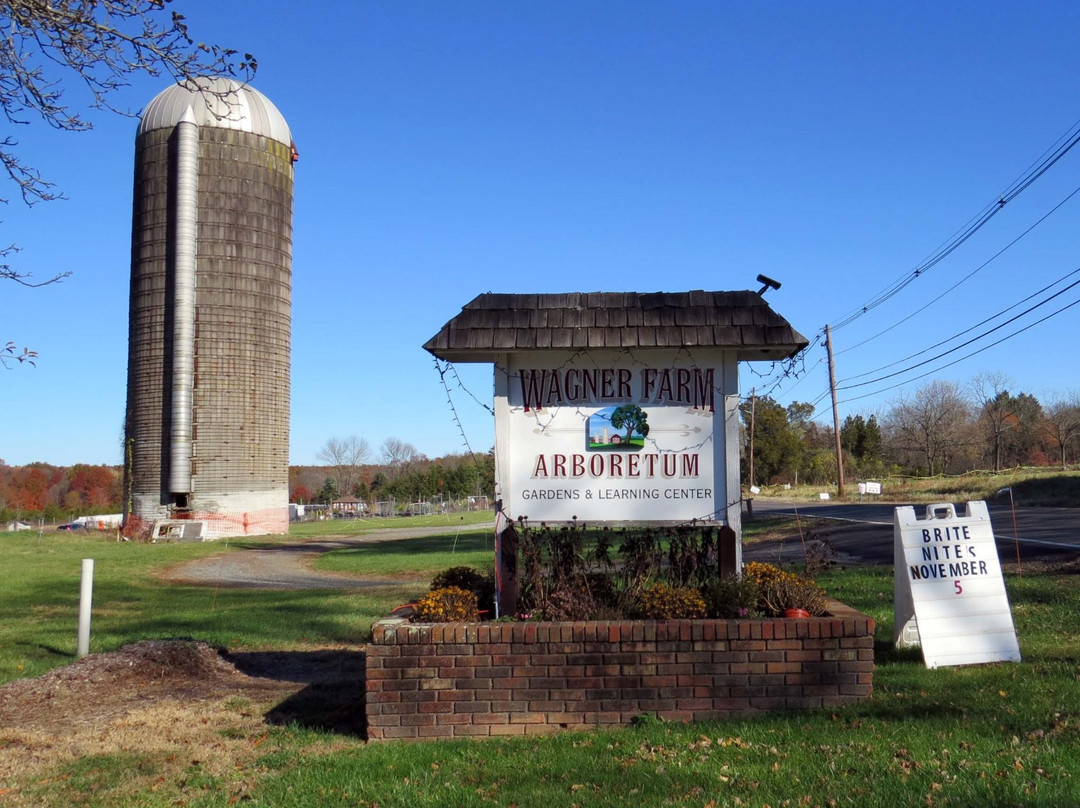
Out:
{"x": 207, "y": 424}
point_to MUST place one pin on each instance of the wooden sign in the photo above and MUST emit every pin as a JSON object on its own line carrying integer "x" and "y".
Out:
{"x": 949, "y": 594}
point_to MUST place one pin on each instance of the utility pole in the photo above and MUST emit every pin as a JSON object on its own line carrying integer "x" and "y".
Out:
{"x": 835, "y": 417}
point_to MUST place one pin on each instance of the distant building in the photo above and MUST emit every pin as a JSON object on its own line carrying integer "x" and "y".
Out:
{"x": 349, "y": 506}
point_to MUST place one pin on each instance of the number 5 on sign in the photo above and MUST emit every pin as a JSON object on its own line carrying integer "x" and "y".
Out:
{"x": 948, "y": 594}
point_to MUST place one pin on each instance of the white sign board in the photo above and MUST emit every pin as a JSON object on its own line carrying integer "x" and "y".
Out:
{"x": 610, "y": 437}
{"x": 872, "y": 487}
{"x": 949, "y": 594}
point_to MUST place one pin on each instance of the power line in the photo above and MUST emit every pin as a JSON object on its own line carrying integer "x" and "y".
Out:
{"x": 971, "y": 328}
{"x": 966, "y": 278}
{"x": 966, "y": 356}
{"x": 1062, "y": 146}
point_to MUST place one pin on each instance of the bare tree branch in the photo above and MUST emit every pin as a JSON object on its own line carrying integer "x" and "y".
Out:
{"x": 97, "y": 45}
{"x": 345, "y": 456}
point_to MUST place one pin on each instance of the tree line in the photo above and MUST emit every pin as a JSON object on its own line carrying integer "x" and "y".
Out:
{"x": 58, "y": 494}
{"x": 941, "y": 428}
{"x": 397, "y": 472}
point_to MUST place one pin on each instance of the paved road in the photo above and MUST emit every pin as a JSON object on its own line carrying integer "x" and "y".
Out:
{"x": 288, "y": 566}
{"x": 861, "y": 533}
{"x": 864, "y": 532}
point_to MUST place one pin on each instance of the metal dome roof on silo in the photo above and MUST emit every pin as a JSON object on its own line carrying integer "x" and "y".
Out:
{"x": 220, "y": 102}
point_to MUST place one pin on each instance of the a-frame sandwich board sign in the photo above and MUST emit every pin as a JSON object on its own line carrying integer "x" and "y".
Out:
{"x": 949, "y": 593}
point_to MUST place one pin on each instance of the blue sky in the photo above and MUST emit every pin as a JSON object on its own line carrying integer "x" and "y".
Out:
{"x": 450, "y": 149}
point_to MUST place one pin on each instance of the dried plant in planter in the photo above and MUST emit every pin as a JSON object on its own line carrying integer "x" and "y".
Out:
{"x": 731, "y": 597}
{"x": 481, "y": 584}
{"x": 693, "y": 555}
{"x": 570, "y": 603}
{"x": 663, "y": 602}
{"x": 791, "y": 592}
{"x": 449, "y": 605}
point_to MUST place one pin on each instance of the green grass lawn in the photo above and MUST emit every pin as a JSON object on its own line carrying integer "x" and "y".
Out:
{"x": 985, "y": 736}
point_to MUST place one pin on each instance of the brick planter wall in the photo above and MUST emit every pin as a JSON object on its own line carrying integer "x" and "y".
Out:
{"x": 453, "y": 680}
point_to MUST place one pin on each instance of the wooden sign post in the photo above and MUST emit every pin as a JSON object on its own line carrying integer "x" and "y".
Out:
{"x": 949, "y": 594}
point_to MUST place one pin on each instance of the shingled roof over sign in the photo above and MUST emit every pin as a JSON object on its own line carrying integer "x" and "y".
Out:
{"x": 495, "y": 324}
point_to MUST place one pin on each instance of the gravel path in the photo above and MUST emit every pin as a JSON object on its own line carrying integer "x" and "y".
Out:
{"x": 287, "y": 566}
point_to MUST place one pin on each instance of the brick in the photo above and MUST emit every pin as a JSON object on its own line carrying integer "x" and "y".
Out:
{"x": 470, "y": 707}
{"x": 846, "y": 655}
{"x": 547, "y": 683}
{"x": 414, "y": 651}
{"x": 453, "y": 719}
{"x": 584, "y": 682}
{"x": 545, "y": 660}
{"x": 507, "y": 729}
{"x": 602, "y": 670}
{"x": 690, "y": 657}
{"x": 528, "y": 718}
{"x": 396, "y": 709}
{"x": 548, "y": 706}
{"x": 435, "y": 707}
{"x": 712, "y": 645}
{"x": 674, "y": 669}
{"x": 747, "y": 668}
{"x": 753, "y": 646}
{"x": 490, "y": 718}
{"x": 509, "y": 706}
{"x": 431, "y": 733}
{"x": 476, "y": 661}
{"x": 399, "y": 732}
{"x": 470, "y": 730}
{"x": 656, "y": 705}
{"x": 416, "y": 696}
{"x": 803, "y": 656}
{"x": 436, "y": 684}
{"x": 783, "y": 667}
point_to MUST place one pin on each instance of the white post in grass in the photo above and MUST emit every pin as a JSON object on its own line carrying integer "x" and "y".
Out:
{"x": 86, "y": 591}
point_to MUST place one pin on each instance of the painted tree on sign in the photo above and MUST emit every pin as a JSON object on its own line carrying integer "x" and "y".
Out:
{"x": 632, "y": 418}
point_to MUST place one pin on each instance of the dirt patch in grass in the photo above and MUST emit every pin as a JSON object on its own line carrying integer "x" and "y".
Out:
{"x": 180, "y": 708}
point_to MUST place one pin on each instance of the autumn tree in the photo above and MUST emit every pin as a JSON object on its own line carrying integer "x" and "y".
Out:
{"x": 302, "y": 494}
{"x": 94, "y": 487}
{"x": 1060, "y": 427}
{"x": 931, "y": 429}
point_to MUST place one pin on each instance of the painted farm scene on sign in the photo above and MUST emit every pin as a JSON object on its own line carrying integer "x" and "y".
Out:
{"x": 603, "y": 429}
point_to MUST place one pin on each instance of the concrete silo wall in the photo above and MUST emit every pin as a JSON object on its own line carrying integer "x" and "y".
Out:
{"x": 239, "y": 410}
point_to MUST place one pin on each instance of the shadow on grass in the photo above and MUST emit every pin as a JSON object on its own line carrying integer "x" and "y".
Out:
{"x": 443, "y": 543}
{"x": 332, "y": 699}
